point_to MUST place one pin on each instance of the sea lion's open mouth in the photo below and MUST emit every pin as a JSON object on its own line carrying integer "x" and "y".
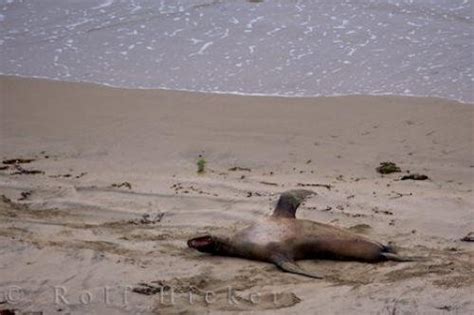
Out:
{"x": 202, "y": 243}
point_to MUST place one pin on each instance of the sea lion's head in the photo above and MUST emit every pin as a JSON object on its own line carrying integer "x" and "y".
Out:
{"x": 206, "y": 244}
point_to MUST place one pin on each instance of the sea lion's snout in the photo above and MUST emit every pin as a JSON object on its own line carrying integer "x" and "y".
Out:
{"x": 205, "y": 244}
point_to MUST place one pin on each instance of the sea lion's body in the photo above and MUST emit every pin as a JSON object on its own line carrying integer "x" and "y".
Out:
{"x": 281, "y": 239}
{"x": 302, "y": 239}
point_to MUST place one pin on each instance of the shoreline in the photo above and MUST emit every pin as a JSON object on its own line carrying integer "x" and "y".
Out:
{"x": 108, "y": 193}
{"x": 228, "y": 93}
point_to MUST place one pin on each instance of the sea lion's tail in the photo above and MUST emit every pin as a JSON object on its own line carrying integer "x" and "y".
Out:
{"x": 388, "y": 249}
{"x": 395, "y": 257}
{"x": 390, "y": 253}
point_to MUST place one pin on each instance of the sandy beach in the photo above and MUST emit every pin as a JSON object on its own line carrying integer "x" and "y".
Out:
{"x": 96, "y": 210}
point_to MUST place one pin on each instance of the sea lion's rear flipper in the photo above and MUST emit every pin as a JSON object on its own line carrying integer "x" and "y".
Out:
{"x": 289, "y": 201}
{"x": 290, "y": 266}
{"x": 395, "y": 257}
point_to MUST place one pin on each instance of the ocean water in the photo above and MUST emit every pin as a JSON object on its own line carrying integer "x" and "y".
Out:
{"x": 270, "y": 47}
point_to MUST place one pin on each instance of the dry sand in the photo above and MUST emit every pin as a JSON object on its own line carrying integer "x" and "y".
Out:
{"x": 70, "y": 229}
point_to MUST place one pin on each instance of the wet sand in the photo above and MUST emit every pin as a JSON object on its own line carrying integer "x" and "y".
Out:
{"x": 112, "y": 193}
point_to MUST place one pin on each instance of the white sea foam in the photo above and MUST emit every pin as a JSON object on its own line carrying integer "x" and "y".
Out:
{"x": 104, "y": 4}
{"x": 203, "y": 49}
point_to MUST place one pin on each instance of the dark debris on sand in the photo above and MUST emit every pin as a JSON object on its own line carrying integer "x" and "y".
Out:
{"x": 239, "y": 168}
{"x": 17, "y": 161}
{"x": 268, "y": 183}
{"x": 388, "y": 168}
{"x": 19, "y": 170}
{"x": 25, "y": 195}
{"x": 147, "y": 289}
{"x": 14, "y": 205}
{"x": 22, "y": 171}
{"x": 148, "y": 219}
{"x": 415, "y": 176}
{"x": 468, "y": 238}
{"x": 124, "y": 184}
{"x": 327, "y": 186}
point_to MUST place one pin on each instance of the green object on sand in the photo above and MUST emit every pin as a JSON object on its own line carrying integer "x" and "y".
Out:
{"x": 201, "y": 165}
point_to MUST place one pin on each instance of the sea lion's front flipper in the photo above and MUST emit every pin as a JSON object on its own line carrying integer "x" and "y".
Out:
{"x": 289, "y": 265}
{"x": 289, "y": 201}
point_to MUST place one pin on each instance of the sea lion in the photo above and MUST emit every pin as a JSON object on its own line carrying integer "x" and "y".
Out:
{"x": 282, "y": 239}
